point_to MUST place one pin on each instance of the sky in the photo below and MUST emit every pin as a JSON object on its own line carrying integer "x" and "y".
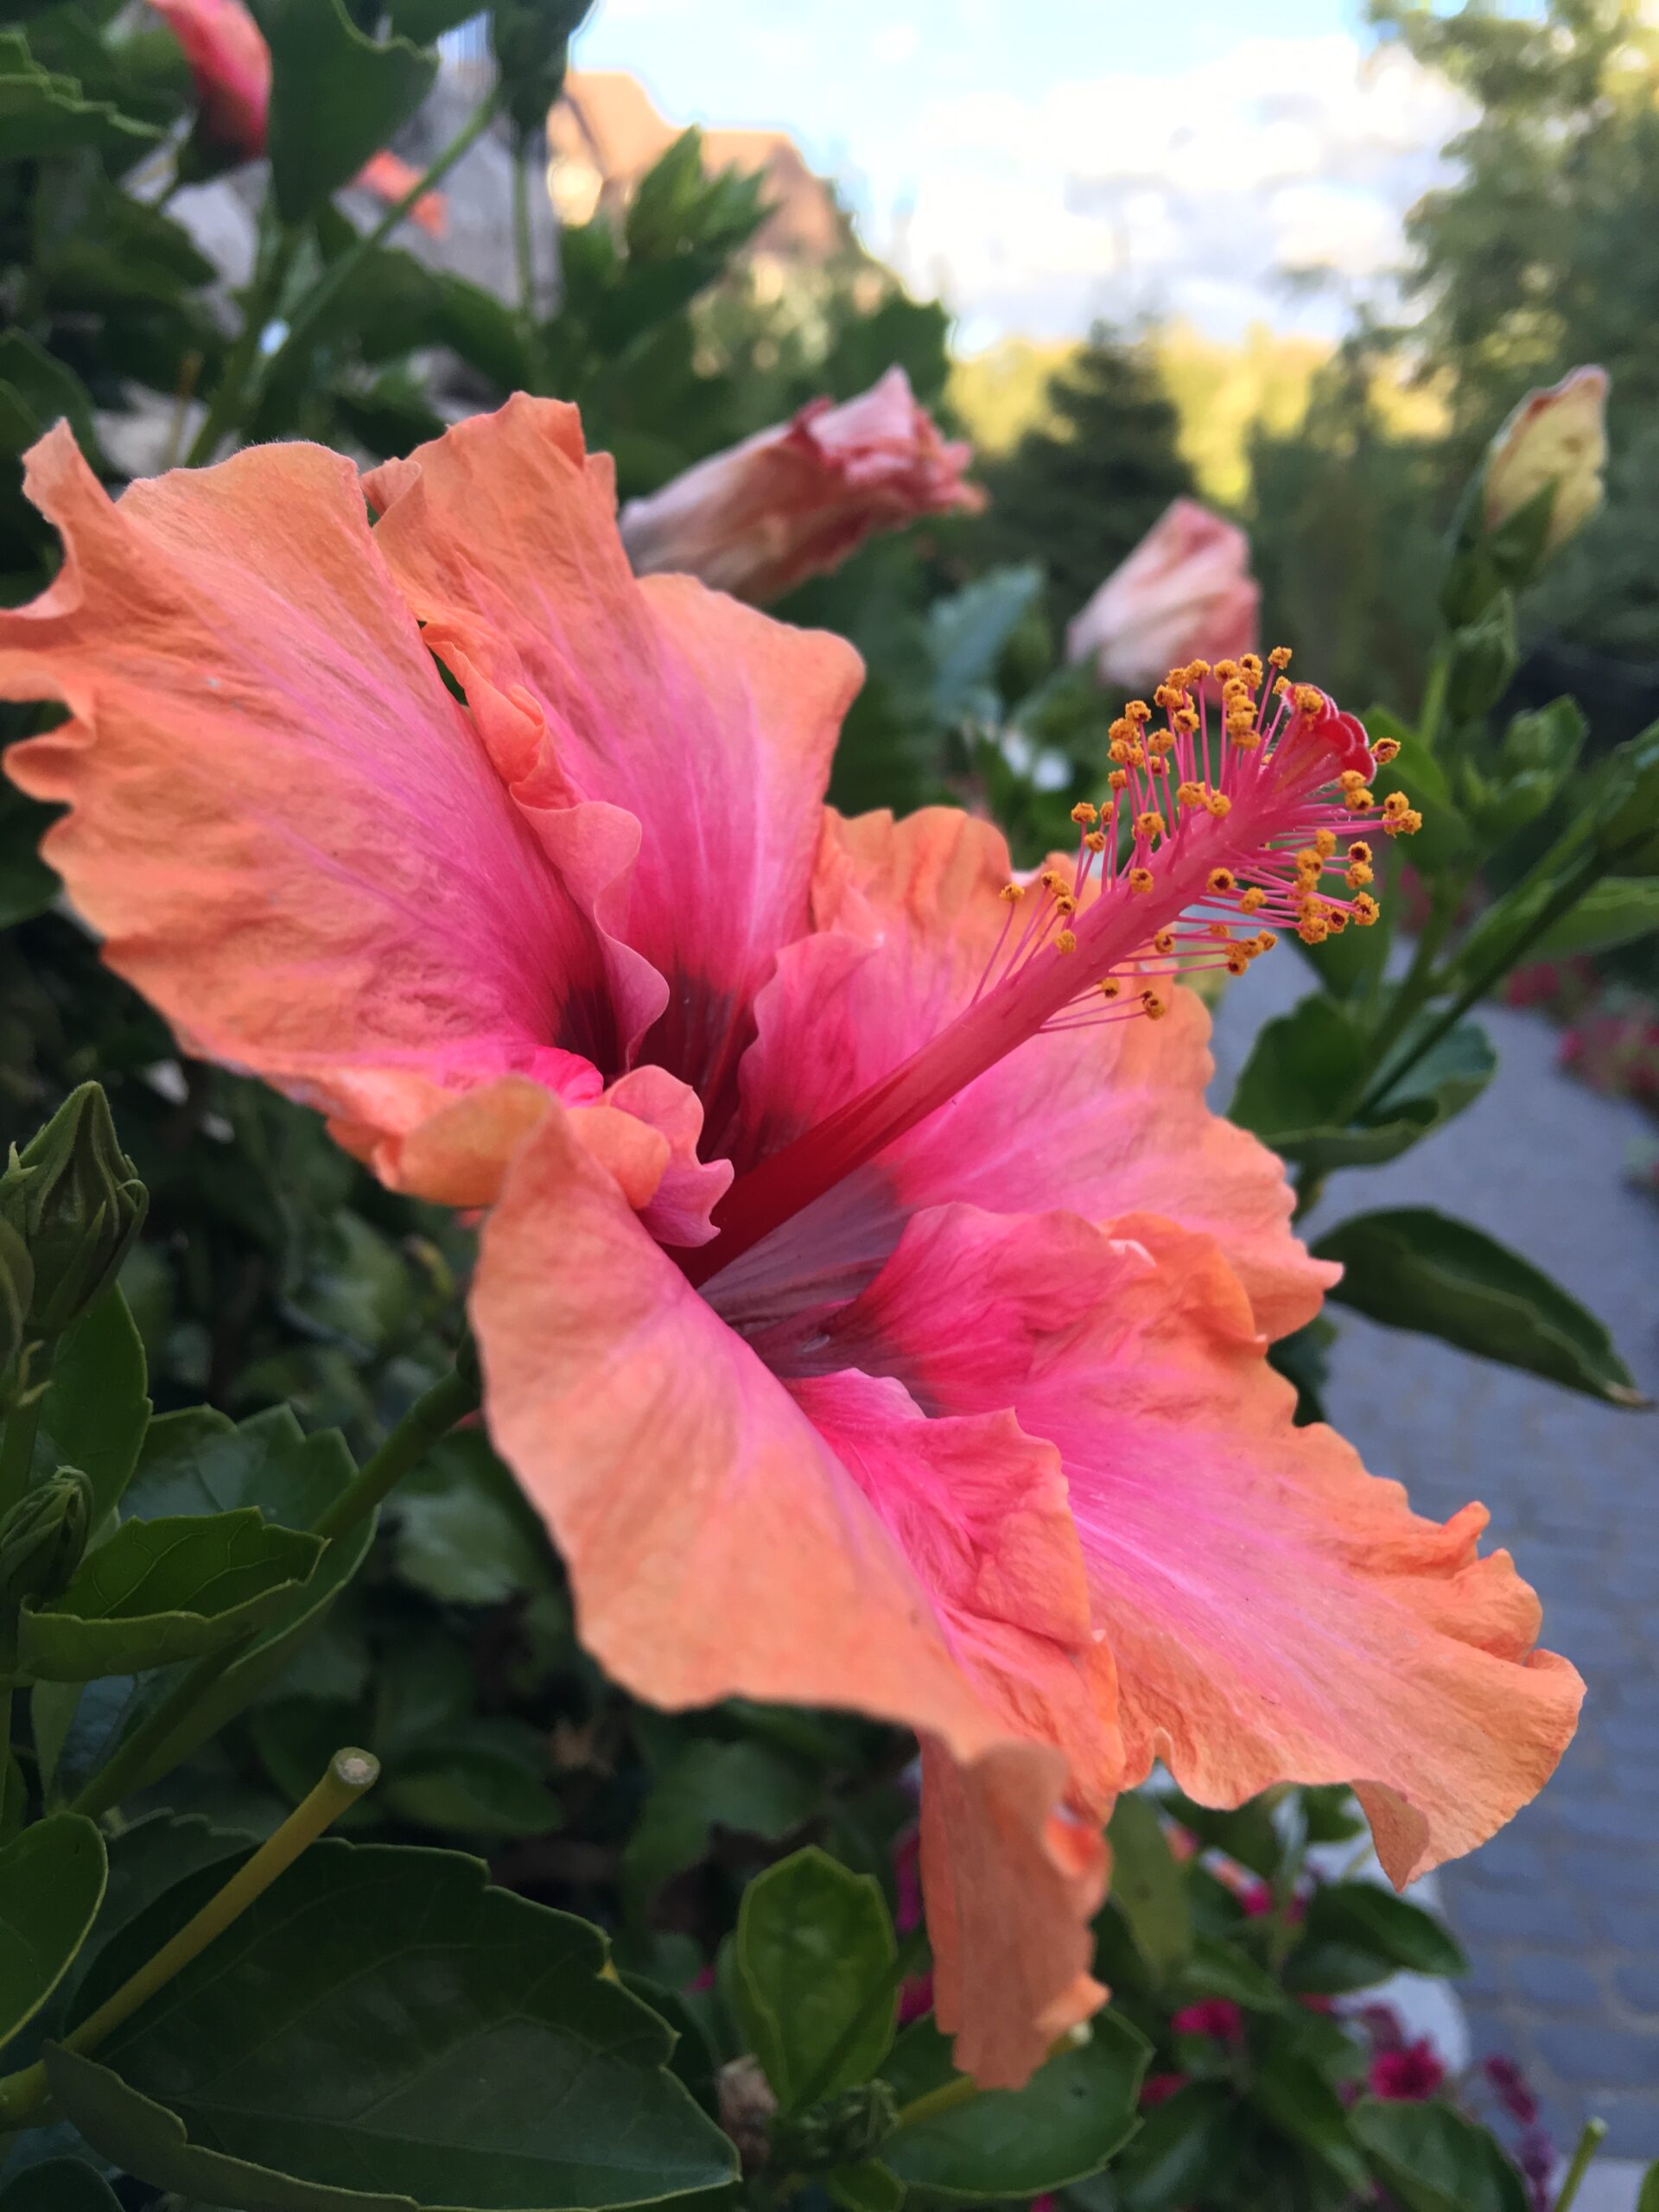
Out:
{"x": 1039, "y": 162}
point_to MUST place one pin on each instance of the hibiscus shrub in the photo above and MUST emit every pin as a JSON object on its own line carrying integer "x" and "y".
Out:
{"x": 562, "y": 1304}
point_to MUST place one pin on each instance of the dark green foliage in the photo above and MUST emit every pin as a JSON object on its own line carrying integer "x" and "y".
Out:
{"x": 1076, "y": 497}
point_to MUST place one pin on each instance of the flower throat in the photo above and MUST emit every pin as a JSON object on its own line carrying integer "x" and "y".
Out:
{"x": 1216, "y": 822}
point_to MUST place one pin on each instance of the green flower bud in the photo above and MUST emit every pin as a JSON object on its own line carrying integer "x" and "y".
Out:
{"x": 1483, "y": 660}
{"x": 842, "y": 2131}
{"x": 42, "y": 1540}
{"x": 1626, "y": 822}
{"x": 75, "y": 1199}
{"x": 16, "y": 1292}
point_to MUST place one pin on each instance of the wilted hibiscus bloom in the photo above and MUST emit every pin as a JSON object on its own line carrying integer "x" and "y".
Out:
{"x": 868, "y": 1301}
{"x": 1185, "y": 592}
{"x": 231, "y": 65}
{"x": 796, "y": 500}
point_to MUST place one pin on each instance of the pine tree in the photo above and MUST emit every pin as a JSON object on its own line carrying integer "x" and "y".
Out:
{"x": 1077, "y": 494}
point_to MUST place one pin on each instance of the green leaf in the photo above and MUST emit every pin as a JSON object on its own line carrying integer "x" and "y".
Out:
{"x": 814, "y": 1975}
{"x": 424, "y": 22}
{"x": 1218, "y": 1969}
{"x": 1308, "y": 1067}
{"x": 384, "y": 2031}
{"x": 96, "y": 1415}
{"x": 51, "y": 1882}
{"x": 466, "y": 1534}
{"x": 484, "y": 331}
{"x": 1294, "y": 2097}
{"x": 966, "y": 634}
{"x": 336, "y": 97}
{"x": 1186, "y": 2149}
{"x": 1647, "y": 2200}
{"x": 1248, "y": 1833}
{"x": 160, "y": 1591}
{"x": 1413, "y": 1267}
{"x": 42, "y": 113}
{"x": 1444, "y": 838}
{"x": 51, "y": 390}
{"x": 474, "y": 1788}
{"x": 197, "y": 1461}
{"x": 746, "y": 1788}
{"x": 1615, "y": 911}
{"x": 1357, "y": 1934}
{"x": 28, "y": 884}
{"x": 145, "y": 1861}
{"x": 1431, "y": 2159}
{"x": 59, "y": 2185}
{"x": 1065, "y": 2123}
{"x": 868, "y": 2187}
{"x": 1148, "y": 1885}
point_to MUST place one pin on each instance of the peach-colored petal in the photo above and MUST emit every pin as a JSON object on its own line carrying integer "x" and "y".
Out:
{"x": 1275, "y": 1613}
{"x": 389, "y": 178}
{"x": 286, "y": 829}
{"x": 723, "y": 1538}
{"x": 795, "y": 500}
{"x": 1098, "y": 1120}
{"x": 709, "y": 724}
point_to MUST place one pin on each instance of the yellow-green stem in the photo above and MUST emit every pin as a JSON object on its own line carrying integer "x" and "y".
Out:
{"x": 963, "y": 2089}
{"x": 350, "y": 1773}
{"x": 1589, "y": 2143}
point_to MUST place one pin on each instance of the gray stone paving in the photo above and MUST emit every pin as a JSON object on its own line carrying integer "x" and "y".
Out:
{"x": 1560, "y": 1911}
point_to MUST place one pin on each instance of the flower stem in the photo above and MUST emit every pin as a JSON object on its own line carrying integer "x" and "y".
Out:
{"x": 23, "y": 1421}
{"x": 1589, "y": 2143}
{"x": 961, "y": 2088}
{"x": 231, "y": 389}
{"x": 144, "y": 1756}
{"x": 344, "y": 267}
{"x": 350, "y": 1773}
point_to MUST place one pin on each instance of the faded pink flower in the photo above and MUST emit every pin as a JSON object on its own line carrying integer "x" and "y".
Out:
{"x": 1408, "y": 2075}
{"x": 795, "y": 500}
{"x": 1185, "y": 592}
{"x": 1215, "y": 2017}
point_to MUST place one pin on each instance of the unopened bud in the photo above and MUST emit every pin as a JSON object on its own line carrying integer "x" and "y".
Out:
{"x": 1555, "y": 437}
{"x": 843, "y": 2130}
{"x": 42, "y": 1540}
{"x": 75, "y": 1199}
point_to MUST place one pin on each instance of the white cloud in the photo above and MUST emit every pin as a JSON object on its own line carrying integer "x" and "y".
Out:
{"x": 1188, "y": 192}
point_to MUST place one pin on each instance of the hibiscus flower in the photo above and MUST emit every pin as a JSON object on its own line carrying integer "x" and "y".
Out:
{"x": 868, "y": 1301}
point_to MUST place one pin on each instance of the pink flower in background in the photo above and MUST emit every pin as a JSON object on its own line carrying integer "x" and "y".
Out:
{"x": 1406, "y": 2075}
{"x": 1159, "y": 2088}
{"x": 1218, "y": 2018}
{"x": 1514, "y": 2091}
{"x": 1185, "y": 594}
{"x": 794, "y": 501}
{"x": 231, "y": 64}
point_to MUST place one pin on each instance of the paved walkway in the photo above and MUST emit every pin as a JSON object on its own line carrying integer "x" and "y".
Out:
{"x": 1560, "y": 1911}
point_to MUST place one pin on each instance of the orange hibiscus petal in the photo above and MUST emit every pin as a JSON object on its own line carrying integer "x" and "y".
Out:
{"x": 287, "y": 831}
{"x": 710, "y": 723}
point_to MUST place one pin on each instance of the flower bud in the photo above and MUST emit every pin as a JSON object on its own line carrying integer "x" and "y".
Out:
{"x": 1483, "y": 660}
{"x": 1625, "y": 823}
{"x": 1555, "y": 437}
{"x": 75, "y": 1199}
{"x": 16, "y": 1292}
{"x": 42, "y": 1540}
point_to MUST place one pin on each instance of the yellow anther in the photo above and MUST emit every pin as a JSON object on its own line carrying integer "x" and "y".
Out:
{"x": 1164, "y": 944}
{"x": 1221, "y": 880}
{"x": 1325, "y": 843}
{"x": 1137, "y": 756}
{"x": 1140, "y": 881}
{"x": 1254, "y": 899}
{"x": 1358, "y": 876}
{"x": 1314, "y": 928}
{"x": 1279, "y": 657}
{"x": 1197, "y": 671}
{"x": 1335, "y": 920}
{"x": 1220, "y": 929}
{"x": 1160, "y": 742}
{"x": 1065, "y": 941}
{"x": 1310, "y": 860}
{"x": 1224, "y": 670}
{"x": 1083, "y": 814}
{"x": 1404, "y": 825}
{"x": 1158, "y": 766}
{"x": 1385, "y": 749}
{"x": 1310, "y": 700}
{"x": 1110, "y": 987}
{"x": 1012, "y": 892}
{"x": 1366, "y": 910}
{"x": 1189, "y": 794}
{"x": 1244, "y": 734}
{"x": 1396, "y": 802}
{"x": 1218, "y": 803}
{"x": 1350, "y": 780}
{"x": 1283, "y": 688}
{"x": 1265, "y": 940}
{"x": 1251, "y": 664}
{"x": 1359, "y": 851}
{"x": 1153, "y": 1007}
{"x": 1360, "y": 802}
{"x": 1149, "y": 825}
{"x": 1168, "y": 693}
{"x": 1235, "y": 692}
{"x": 1237, "y": 960}
{"x": 1095, "y": 841}
{"x": 1186, "y": 719}
{"x": 1119, "y": 750}
{"x": 1064, "y": 903}
{"x": 1117, "y": 778}
{"x": 1121, "y": 730}
{"x": 1138, "y": 711}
